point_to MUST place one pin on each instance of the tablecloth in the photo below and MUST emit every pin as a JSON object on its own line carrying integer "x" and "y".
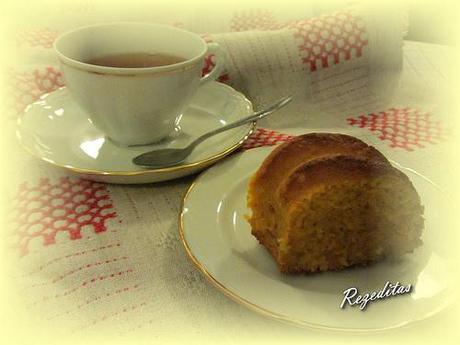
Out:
{"x": 89, "y": 261}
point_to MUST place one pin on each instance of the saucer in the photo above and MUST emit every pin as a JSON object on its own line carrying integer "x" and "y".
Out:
{"x": 56, "y": 130}
{"x": 218, "y": 240}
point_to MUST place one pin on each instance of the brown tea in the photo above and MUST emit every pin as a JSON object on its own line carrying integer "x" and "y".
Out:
{"x": 135, "y": 60}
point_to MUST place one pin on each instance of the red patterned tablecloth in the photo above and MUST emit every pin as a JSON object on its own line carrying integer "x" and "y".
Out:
{"x": 89, "y": 257}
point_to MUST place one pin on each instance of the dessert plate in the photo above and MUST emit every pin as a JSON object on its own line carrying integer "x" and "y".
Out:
{"x": 57, "y": 131}
{"x": 218, "y": 240}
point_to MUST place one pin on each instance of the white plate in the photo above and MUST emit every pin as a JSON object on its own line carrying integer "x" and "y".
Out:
{"x": 218, "y": 240}
{"x": 56, "y": 130}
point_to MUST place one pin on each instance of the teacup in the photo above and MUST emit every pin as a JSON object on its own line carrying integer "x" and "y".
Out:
{"x": 134, "y": 105}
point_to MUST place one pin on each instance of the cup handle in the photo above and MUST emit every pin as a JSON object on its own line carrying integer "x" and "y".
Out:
{"x": 214, "y": 48}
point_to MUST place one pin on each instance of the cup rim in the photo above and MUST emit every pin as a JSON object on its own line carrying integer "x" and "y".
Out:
{"x": 128, "y": 70}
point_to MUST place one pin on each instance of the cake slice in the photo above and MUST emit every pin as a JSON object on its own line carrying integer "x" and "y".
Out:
{"x": 329, "y": 201}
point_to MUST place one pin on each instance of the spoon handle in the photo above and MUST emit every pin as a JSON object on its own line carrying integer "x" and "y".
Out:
{"x": 254, "y": 117}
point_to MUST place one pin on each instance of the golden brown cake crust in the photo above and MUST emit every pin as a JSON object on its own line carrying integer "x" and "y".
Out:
{"x": 330, "y": 170}
{"x": 315, "y": 145}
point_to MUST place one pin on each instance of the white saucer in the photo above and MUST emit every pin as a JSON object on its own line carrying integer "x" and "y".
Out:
{"x": 56, "y": 130}
{"x": 219, "y": 242}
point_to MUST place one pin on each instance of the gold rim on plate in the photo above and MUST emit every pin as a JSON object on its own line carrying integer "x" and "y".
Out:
{"x": 201, "y": 163}
{"x": 265, "y": 312}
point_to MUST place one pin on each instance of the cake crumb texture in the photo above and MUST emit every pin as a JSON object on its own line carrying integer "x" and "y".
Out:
{"x": 326, "y": 201}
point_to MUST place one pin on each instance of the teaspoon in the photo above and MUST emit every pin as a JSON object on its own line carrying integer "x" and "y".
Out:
{"x": 163, "y": 158}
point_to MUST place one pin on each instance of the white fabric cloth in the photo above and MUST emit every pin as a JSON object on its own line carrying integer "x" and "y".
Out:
{"x": 130, "y": 277}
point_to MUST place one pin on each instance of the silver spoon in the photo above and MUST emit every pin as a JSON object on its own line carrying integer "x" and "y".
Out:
{"x": 163, "y": 158}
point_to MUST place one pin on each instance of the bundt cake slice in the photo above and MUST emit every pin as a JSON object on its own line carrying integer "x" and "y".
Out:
{"x": 329, "y": 201}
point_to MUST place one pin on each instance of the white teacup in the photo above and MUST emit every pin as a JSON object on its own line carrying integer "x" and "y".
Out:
{"x": 134, "y": 106}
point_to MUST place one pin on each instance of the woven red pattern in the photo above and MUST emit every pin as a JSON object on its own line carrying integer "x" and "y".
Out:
{"x": 26, "y": 87}
{"x": 265, "y": 137}
{"x": 67, "y": 206}
{"x": 330, "y": 39}
{"x": 253, "y": 20}
{"x": 405, "y": 128}
{"x": 43, "y": 38}
{"x": 322, "y": 41}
